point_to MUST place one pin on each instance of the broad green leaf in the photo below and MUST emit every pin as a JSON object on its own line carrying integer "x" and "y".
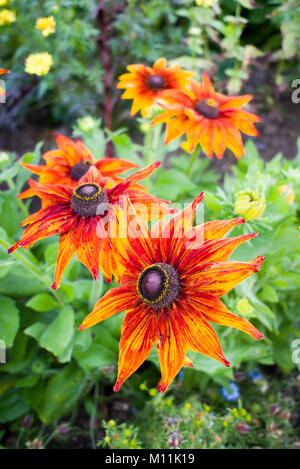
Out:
{"x": 61, "y": 393}
{"x": 9, "y": 320}
{"x": 42, "y": 302}
{"x": 59, "y": 334}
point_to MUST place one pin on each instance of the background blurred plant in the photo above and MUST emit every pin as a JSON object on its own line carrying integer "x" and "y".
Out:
{"x": 218, "y": 36}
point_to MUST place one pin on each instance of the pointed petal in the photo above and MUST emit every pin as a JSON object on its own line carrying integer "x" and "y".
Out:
{"x": 137, "y": 339}
{"x": 114, "y": 301}
{"x": 66, "y": 249}
{"x": 171, "y": 347}
{"x": 91, "y": 241}
{"x": 199, "y": 335}
{"x": 215, "y": 311}
{"x": 224, "y": 276}
{"x": 114, "y": 166}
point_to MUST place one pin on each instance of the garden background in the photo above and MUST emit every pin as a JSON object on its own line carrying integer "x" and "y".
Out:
{"x": 56, "y": 384}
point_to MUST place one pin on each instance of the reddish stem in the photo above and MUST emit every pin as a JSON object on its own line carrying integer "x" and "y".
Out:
{"x": 107, "y": 81}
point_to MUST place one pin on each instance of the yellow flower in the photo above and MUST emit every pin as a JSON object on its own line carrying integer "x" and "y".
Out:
{"x": 3, "y": 3}
{"x": 107, "y": 439}
{"x": 7, "y": 17}
{"x": 187, "y": 405}
{"x": 204, "y": 3}
{"x": 242, "y": 412}
{"x": 206, "y": 408}
{"x": 38, "y": 64}
{"x": 127, "y": 432}
{"x": 46, "y": 25}
{"x": 111, "y": 423}
{"x": 250, "y": 204}
{"x": 225, "y": 424}
{"x": 152, "y": 392}
{"x": 288, "y": 193}
{"x": 244, "y": 307}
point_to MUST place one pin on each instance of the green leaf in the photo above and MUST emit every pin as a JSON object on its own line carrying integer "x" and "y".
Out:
{"x": 12, "y": 407}
{"x": 62, "y": 392}
{"x": 59, "y": 334}
{"x": 9, "y": 320}
{"x": 42, "y": 302}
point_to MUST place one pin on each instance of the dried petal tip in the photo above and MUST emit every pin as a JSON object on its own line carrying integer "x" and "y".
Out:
{"x": 161, "y": 387}
{"x": 54, "y": 286}
{"x": 258, "y": 262}
{"x": 82, "y": 327}
{"x": 117, "y": 387}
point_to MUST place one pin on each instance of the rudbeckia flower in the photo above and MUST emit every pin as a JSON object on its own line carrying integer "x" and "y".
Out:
{"x": 212, "y": 119}
{"x": 171, "y": 290}
{"x": 2, "y": 71}
{"x": 87, "y": 218}
{"x": 145, "y": 84}
{"x": 67, "y": 164}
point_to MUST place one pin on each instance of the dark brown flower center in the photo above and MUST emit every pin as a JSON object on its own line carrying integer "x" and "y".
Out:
{"x": 89, "y": 200}
{"x": 158, "y": 285}
{"x": 156, "y": 82}
{"x": 208, "y": 108}
{"x": 80, "y": 169}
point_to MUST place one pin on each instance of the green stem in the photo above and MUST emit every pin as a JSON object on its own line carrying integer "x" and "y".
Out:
{"x": 192, "y": 161}
{"x": 93, "y": 417}
{"x": 96, "y": 291}
{"x": 35, "y": 271}
{"x": 21, "y": 205}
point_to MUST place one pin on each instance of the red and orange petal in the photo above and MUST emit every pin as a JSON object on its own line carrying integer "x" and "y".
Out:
{"x": 59, "y": 163}
{"x": 214, "y": 135}
{"x": 3, "y": 71}
{"x": 204, "y": 273}
{"x": 137, "y": 88}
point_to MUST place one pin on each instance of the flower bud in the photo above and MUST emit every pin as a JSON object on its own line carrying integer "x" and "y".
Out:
{"x": 27, "y": 421}
{"x": 174, "y": 439}
{"x": 272, "y": 427}
{"x": 286, "y": 415}
{"x": 63, "y": 428}
{"x": 243, "y": 428}
{"x": 250, "y": 204}
{"x": 87, "y": 124}
{"x": 244, "y": 307}
{"x": 275, "y": 409}
{"x": 3, "y": 158}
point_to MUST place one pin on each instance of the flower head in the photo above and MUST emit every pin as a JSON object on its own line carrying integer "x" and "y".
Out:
{"x": 7, "y": 17}
{"x": 206, "y": 117}
{"x": 170, "y": 291}
{"x": 87, "y": 218}
{"x": 38, "y": 64}
{"x": 234, "y": 393}
{"x": 250, "y": 204}
{"x": 46, "y": 25}
{"x": 145, "y": 84}
{"x": 3, "y": 3}
{"x": 70, "y": 161}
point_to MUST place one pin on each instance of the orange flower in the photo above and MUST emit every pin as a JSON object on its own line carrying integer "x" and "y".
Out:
{"x": 145, "y": 84}
{"x": 2, "y": 71}
{"x": 71, "y": 161}
{"x": 87, "y": 218}
{"x": 170, "y": 292}
{"x": 209, "y": 118}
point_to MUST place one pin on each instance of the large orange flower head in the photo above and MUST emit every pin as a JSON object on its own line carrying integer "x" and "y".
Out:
{"x": 145, "y": 84}
{"x": 170, "y": 292}
{"x": 2, "y": 71}
{"x": 211, "y": 119}
{"x": 87, "y": 218}
{"x": 67, "y": 164}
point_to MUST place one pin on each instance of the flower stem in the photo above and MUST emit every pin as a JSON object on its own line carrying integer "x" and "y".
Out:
{"x": 96, "y": 291}
{"x": 35, "y": 271}
{"x": 192, "y": 161}
{"x": 21, "y": 205}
